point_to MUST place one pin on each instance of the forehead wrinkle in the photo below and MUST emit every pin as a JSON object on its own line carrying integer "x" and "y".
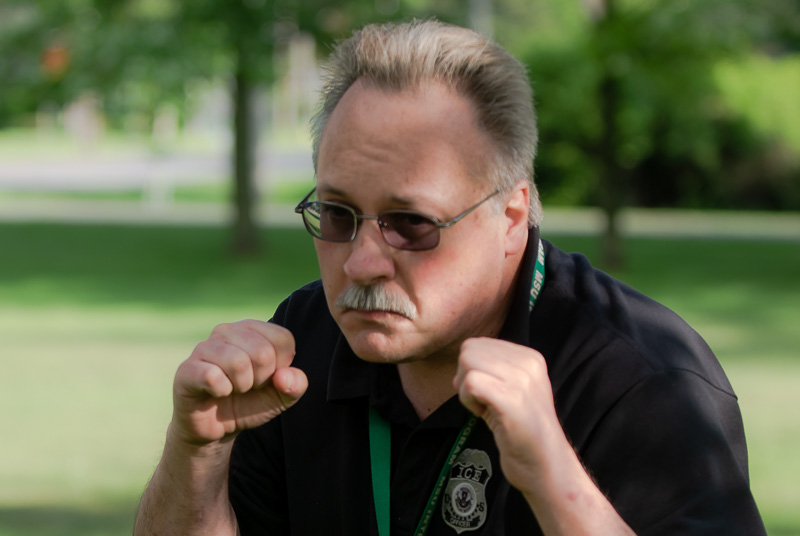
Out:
{"x": 352, "y": 159}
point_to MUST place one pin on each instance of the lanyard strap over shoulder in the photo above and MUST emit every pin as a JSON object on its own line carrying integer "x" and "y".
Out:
{"x": 538, "y": 277}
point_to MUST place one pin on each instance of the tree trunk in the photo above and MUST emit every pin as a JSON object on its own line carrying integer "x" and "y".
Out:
{"x": 245, "y": 232}
{"x": 613, "y": 177}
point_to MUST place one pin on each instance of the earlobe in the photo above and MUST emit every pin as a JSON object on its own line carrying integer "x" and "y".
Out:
{"x": 516, "y": 213}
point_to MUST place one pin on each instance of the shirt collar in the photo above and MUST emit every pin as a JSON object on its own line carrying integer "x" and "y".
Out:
{"x": 516, "y": 328}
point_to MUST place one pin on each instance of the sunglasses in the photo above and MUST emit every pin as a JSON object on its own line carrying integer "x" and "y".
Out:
{"x": 402, "y": 229}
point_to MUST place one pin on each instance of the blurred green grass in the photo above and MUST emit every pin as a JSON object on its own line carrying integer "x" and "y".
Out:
{"x": 95, "y": 319}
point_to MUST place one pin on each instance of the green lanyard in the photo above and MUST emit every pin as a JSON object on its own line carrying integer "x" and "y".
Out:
{"x": 380, "y": 458}
{"x": 380, "y": 443}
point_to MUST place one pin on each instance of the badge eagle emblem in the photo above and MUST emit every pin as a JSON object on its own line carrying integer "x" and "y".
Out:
{"x": 464, "y": 501}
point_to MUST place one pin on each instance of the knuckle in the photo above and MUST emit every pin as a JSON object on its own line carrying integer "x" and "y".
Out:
{"x": 211, "y": 375}
{"x": 539, "y": 363}
{"x": 184, "y": 374}
{"x": 264, "y": 356}
{"x": 223, "y": 330}
{"x": 471, "y": 380}
{"x": 239, "y": 362}
{"x": 248, "y": 322}
{"x": 280, "y": 336}
{"x": 202, "y": 349}
{"x": 213, "y": 351}
{"x": 215, "y": 380}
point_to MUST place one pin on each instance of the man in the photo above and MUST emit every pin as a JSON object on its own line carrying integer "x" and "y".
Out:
{"x": 451, "y": 372}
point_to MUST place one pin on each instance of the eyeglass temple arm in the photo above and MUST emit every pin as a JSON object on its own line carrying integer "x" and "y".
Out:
{"x": 445, "y": 225}
{"x": 301, "y": 205}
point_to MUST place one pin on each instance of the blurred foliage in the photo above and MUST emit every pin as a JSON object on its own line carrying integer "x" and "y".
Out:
{"x": 706, "y": 112}
{"x": 700, "y": 86}
{"x": 139, "y": 54}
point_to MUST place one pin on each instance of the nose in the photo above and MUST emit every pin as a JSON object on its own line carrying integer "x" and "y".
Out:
{"x": 370, "y": 259}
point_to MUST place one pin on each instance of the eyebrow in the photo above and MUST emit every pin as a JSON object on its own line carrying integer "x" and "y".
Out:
{"x": 330, "y": 190}
{"x": 394, "y": 199}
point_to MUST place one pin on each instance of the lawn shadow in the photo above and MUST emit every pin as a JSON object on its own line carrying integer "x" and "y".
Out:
{"x": 164, "y": 266}
{"x": 108, "y": 520}
{"x": 783, "y": 530}
{"x": 117, "y": 520}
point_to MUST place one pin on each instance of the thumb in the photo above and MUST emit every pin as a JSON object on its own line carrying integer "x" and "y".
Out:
{"x": 291, "y": 384}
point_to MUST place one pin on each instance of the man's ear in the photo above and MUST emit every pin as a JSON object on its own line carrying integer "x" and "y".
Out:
{"x": 516, "y": 214}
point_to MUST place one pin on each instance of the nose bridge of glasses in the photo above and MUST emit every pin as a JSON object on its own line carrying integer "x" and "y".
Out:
{"x": 381, "y": 228}
{"x": 381, "y": 224}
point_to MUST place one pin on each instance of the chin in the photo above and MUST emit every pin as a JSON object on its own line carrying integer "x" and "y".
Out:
{"x": 398, "y": 348}
{"x": 380, "y": 347}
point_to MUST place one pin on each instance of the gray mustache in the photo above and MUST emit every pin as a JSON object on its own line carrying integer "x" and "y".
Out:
{"x": 375, "y": 298}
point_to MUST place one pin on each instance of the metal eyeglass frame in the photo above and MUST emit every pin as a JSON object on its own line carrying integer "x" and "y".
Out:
{"x": 302, "y": 205}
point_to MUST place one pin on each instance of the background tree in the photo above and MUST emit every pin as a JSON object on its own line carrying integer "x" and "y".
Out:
{"x": 236, "y": 40}
{"x": 634, "y": 96}
{"x": 35, "y": 56}
{"x": 630, "y": 110}
{"x": 139, "y": 54}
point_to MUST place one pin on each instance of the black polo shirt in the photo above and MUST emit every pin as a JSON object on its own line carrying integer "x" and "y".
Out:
{"x": 639, "y": 394}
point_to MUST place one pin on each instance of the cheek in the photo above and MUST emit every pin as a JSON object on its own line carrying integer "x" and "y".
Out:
{"x": 330, "y": 269}
{"x": 459, "y": 276}
{"x": 328, "y": 257}
{"x": 444, "y": 284}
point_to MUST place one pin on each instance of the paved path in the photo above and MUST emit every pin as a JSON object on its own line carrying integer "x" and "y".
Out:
{"x": 634, "y": 222}
{"x": 157, "y": 176}
{"x": 138, "y": 171}
{"x": 679, "y": 223}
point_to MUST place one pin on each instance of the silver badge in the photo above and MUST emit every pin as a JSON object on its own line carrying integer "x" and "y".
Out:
{"x": 464, "y": 501}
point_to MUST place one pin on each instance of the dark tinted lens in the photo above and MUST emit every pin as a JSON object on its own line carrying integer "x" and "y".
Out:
{"x": 329, "y": 221}
{"x": 409, "y": 230}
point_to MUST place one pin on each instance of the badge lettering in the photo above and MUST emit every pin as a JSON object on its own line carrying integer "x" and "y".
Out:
{"x": 464, "y": 503}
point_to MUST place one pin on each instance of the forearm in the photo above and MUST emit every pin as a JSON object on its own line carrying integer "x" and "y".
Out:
{"x": 188, "y": 493}
{"x": 566, "y": 501}
{"x": 508, "y": 386}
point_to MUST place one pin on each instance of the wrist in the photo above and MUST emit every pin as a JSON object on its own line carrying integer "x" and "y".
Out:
{"x": 188, "y": 493}
{"x": 182, "y": 446}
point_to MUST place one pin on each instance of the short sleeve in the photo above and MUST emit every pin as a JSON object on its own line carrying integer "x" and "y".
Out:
{"x": 671, "y": 457}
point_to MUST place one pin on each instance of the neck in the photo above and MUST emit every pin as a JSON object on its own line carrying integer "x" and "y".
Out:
{"x": 428, "y": 383}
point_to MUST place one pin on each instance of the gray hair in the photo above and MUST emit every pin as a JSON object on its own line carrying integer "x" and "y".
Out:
{"x": 402, "y": 56}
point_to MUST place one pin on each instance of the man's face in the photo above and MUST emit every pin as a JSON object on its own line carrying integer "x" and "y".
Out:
{"x": 417, "y": 150}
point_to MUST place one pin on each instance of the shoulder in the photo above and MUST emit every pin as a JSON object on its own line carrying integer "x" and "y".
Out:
{"x": 604, "y": 341}
{"x": 585, "y": 306}
{"x": 642, "y": 398}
